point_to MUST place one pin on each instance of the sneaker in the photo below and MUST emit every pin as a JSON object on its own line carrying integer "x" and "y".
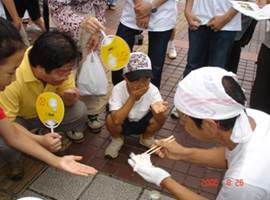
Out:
{"x": 76, "y": 137}
{"x": 33, "y": 28}
{"x": 113, "y": 148}
{"x": 15, "y": 170}
{"x": 174, "y": 113}
{"x": 148, "y": 142}
{"x": 94, "y": 123}
{"x": 172, "y": 53}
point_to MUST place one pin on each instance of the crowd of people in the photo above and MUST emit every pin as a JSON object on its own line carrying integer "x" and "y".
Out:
{"x": 209, "y": 102}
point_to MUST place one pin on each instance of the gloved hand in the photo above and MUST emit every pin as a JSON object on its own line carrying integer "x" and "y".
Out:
{"x": 151, "y": 174}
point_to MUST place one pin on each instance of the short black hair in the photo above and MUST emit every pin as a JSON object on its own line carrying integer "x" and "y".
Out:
{"x": 234, "y": 90}
{"x": 10, "y": 40}
{"x": 53, "y": 49}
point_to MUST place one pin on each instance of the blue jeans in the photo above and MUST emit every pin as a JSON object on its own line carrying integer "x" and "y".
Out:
{"x": 208, "y": 48}
{"x": 111, "y": 2}
{"x": 157, "y": 48}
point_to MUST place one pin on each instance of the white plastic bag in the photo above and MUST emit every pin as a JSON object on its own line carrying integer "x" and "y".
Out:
{"x": 92, "y": 80}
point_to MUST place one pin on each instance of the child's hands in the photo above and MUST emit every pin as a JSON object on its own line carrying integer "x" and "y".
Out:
{"x": 159, "y": 107}
{"x": 136, "y": 94}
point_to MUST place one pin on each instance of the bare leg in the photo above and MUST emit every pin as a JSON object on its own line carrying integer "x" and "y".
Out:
{"x": 153, "y": 127}
{"x": 112, "y": 128}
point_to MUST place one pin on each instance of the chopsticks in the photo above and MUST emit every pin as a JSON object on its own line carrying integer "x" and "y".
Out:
{"x": 155, "y": 148}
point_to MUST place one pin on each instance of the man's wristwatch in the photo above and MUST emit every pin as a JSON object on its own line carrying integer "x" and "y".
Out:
{"x": 154, "y": 9}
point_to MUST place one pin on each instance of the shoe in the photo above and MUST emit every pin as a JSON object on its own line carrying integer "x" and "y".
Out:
{"x": 113, "y": 148}
{"x": 94, "y": 123}
{"x": 112, "y": 7}
{"x": 76, "y": 137}
{"x": 148, "y": 142}
{"x": 15, "y": 170}
{"x": 174, "y": 113}
{"x": 33, "y": 28}
{"x": 172, "y": 53}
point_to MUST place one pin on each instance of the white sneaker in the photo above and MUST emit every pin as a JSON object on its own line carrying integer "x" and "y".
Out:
{"x": 172, "y": 53}
{"x": 113, "y": 148}
{"x": 174, "y": 113}
{"x": 148, "y": 142}
{"x": 33, "y": 28}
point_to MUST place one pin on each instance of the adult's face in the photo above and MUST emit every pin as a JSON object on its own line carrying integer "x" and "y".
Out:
{"x": 205, "y": 133}
{"x": 59, "y": 75}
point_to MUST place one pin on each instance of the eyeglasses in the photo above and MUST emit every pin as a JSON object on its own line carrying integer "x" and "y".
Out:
{"x": 61, "y": 75}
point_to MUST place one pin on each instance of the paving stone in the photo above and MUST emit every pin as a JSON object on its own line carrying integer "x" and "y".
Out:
{"x": 60, "y": 185}
{"x": 105, "y": 187}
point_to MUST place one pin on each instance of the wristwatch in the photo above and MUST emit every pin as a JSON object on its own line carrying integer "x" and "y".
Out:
{"x": 154, "y": 9}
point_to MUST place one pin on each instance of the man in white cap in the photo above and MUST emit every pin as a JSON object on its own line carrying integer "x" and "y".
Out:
{"x": 211, "y": 105}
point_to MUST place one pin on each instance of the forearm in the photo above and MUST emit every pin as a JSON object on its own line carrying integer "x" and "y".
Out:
{"x": 230, "y": 14}
{"x": 179, "y": 191}
{"x": 120, "y": 115}
{"x": 158, "y": 3}
{"x": 10, "y": 6}
{"x": 188, "y": 6}
{"x": 214, "y": 157}
{"x": 16, "y": 136}
{"x": 137, "y": 1}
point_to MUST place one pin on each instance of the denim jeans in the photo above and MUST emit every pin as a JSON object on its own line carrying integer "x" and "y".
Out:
{"x": 157, "y": 48}
{"x": 111, "y": 2}
{"x": 208, "y": 48}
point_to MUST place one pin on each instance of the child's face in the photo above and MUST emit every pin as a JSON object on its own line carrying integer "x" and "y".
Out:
{"x": 139, "y": 84}
{"x": 8, "y": 69}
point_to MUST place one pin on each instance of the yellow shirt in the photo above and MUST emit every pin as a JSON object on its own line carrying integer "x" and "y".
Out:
{"x": 19, "y": 98}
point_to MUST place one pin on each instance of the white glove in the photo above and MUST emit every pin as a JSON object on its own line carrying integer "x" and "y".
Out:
{"x": 151, "y": 173}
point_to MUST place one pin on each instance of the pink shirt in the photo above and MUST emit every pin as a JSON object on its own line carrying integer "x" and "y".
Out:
{"x": 64, "y": 13}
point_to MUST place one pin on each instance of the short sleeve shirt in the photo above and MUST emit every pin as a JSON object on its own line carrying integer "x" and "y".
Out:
{"x": 2, "y": 113}
{"x": 141, "y": 108}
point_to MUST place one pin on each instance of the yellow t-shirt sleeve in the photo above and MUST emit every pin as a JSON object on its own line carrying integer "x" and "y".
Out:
{"x": 9, "y": 100}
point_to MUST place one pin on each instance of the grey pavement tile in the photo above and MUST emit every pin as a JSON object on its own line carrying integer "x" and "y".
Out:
{"x": 28, "y": 193}
{"x": 104, "y": 187}
{"x": 145, "y": 196}
{"x": 60, "y": 185}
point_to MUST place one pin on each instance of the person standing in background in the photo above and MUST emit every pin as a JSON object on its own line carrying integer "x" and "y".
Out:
{"x": 159, "y": 18}
{"x": 83, "y": 19}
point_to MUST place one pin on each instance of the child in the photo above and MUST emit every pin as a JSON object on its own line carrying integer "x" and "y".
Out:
{"x": 136, "y": 106}
{"x": 13, "y": 134}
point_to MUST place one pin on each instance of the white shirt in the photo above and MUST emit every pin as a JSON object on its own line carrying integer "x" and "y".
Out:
{"x": 2, "y": 10}
{"x": 163, "y": 20}
{"x": 248, "y": 175}
{"x": 141, "y": 108}
{"x": 210, "y": 8}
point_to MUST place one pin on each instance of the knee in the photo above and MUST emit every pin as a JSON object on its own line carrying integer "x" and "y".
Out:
{"x": 79, "y": 111}
{"x": 109, "y": 122}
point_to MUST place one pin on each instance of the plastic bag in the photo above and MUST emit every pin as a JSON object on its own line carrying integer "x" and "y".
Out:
{"x": 92, "y": 80}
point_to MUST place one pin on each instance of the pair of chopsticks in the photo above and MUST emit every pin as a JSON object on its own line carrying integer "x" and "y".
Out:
{"x": 155, "y": 148}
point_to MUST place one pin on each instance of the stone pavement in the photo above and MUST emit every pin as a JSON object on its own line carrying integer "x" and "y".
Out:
{"x": 115, "y": 179}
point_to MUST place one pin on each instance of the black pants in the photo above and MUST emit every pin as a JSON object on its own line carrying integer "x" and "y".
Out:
{"x": 233, "y": 61}
{"x": 260, "y": 94}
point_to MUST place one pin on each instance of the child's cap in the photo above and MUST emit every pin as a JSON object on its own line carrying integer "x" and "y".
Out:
{"x": 138, "y": 66}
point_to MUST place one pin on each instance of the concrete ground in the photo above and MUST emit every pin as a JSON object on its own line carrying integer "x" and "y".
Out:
{"x": 115, "y": 179}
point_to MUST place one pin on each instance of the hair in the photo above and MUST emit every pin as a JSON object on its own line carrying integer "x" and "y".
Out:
{"x": 234, "y": 90}
{"x": 53, "y": 49}
{"x": 10, "y": 40}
